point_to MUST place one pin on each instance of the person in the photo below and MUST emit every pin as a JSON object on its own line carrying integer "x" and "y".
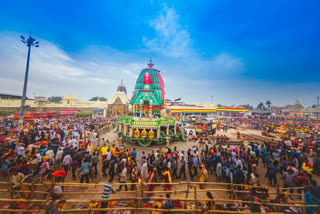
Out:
{"x": 254, "y": 198}
{"x": 167, "y": 179}
{"x": 288, "y": 180}
{"x": 167, "y": 204}
{"x": 310, "y": 199}
{"x": 112, "y": 169}
{"x": 123, "y": 178}
{"x": 16, "y": 177}
{"x": 219, "y": 171}
{"x": 107, "y": 188}
{"x": 52, "y": 206}
{"x": 74, "y": 167}
{"x": 20, "y": 152}
{"x": 174, "y": 168}
{"x": 67, "y": 160}
{"x": 134, "y": 154}
{"x": 203, "y": 176}
{"x": 105, "y": 164}
{"x": 238, "y": 136}
{"x": 94, "y": 162}
{"x": 314, "y": 188}
{"x": 144, "y": 170}
{"x": 182, "y": 168}
{"x": 59, "y": 175}
{"x": 152, "y": 176}
{"x": 272, "y": 173}
{"x": 210, "y": 205}
{"x": 85, "y": 170}
{"x": 195, "y": 162}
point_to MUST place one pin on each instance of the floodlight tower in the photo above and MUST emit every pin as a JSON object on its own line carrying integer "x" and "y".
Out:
{"x": 30, "y": 42}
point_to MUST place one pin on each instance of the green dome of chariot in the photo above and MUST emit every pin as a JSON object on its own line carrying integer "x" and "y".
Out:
{"x": 149, "y": 89}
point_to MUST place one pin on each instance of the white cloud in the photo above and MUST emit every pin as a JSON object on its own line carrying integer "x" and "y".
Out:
{"x": 226, "y": 63}
{"x": 54, "y": 72}
{"x": 172, "y": 39}
{"x": 174, "y": 44}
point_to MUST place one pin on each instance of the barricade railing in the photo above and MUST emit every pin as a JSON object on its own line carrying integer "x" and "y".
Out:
{"x": 140, "y": 192}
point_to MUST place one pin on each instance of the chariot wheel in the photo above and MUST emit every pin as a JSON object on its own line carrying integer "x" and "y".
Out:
{"x": 172, "y": 136}
{"x": 144, "y": 143}
{"x": 162, "y": 138}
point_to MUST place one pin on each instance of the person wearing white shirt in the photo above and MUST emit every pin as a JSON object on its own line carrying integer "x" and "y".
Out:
{"x": 38, "y": 157}
{"x": 181, "y": 154}
{"x": 144, "y": 170}
{"x": 239, "y": 163}
{"x": 67, "y": 162}
{"x": 108, "y": 155}
{"x": 20, "y": 152}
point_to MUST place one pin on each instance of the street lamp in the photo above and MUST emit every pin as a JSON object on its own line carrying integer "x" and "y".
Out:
{"x": 29, "y": 42}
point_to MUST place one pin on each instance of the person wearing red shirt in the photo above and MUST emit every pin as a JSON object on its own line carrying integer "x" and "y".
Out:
{"x": 59, "y": 174}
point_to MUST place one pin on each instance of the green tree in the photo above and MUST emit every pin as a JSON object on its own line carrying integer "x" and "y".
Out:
{"x": 96, "y": 98}
{"x": 268, "y": 103}
{"x": 84, "y": 114}
{"x": 55, "y": 99}
{"x": 6, "y": 113}
{"x": 261, "y": 106}
{"x": 248, "y": 106}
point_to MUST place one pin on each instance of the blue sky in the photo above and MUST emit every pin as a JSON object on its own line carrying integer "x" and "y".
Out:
{"x": 239, "y": 52}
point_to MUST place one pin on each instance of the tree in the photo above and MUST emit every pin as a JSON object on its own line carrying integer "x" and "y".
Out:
{"x": 248, "y": 106}
{"x": 55, "y": 99}
{"x": 84, "y": 114}
{"x": 268, "y": 103}
{"x": 219, "y": 105}
{"x": 96, "y": 98}
{"x": 261, "y": 106}
{"x": 6, "y": 113}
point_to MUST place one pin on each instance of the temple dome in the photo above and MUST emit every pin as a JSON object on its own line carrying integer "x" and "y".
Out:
{"x": 70, "y": 97}
{"x": 122, "y": 88}
{"x": 149, "y": 87}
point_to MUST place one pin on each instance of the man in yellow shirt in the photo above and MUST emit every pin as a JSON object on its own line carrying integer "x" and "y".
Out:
{"x": 103, "y": 150}
{"x": 113, "y": 150}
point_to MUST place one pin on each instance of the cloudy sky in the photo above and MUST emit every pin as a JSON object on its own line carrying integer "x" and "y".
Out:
{"x": 239, "y": 52}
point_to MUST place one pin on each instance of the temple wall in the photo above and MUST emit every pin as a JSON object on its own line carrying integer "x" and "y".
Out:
{"x": 33, "y": 105}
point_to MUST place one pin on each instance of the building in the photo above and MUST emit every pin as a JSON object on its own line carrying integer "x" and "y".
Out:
{"x": 206, "y": 109}
{"x": 118, "y": 105}
{"x": 279, "y": 110}
{"x": 312, "y": 112}
{"x": 296, "y": 110}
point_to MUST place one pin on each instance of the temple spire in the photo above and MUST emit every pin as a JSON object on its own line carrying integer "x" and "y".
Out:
{"x": 150, "y": 64}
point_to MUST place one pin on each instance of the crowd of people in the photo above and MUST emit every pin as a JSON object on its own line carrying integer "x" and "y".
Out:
{"x": 65, "y": 146}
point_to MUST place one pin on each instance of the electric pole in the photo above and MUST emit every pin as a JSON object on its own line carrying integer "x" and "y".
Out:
{"x": 29, "y": 42}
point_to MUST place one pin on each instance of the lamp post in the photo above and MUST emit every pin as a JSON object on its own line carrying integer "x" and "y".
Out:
{"x": 29, "y": 42}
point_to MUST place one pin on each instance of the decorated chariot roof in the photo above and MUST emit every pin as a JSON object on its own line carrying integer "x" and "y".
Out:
{"x": 149, "y": 88}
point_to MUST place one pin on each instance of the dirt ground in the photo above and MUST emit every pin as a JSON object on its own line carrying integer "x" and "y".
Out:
{"x": 180, "y": 146}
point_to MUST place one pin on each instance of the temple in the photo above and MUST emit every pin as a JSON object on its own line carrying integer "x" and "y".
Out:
{"x": 148, "y": 97}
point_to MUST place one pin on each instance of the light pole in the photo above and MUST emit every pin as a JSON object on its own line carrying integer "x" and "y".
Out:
{"x": 29, "y": 42}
